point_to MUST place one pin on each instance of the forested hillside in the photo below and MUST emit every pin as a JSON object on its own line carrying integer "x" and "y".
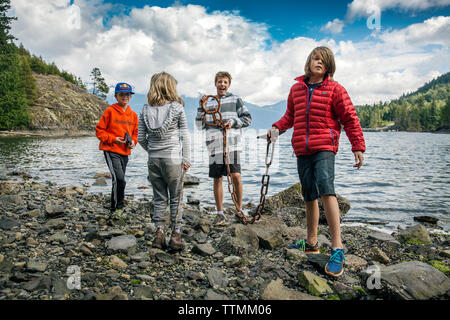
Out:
{"x": 426, "y": 109}
{"x": 18, "y": 90}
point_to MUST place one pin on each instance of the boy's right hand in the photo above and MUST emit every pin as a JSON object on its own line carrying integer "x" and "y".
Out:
{"x": 273, "y": 134}
{"x": 203, "y": 99}
{"x": 120, "y": 140}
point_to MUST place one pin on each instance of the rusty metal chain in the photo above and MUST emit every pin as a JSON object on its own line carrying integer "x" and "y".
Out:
{"x": 265, "y": 178}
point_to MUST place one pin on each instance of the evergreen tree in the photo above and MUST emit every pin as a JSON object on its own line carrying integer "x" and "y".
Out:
{"x": 100, "y": 89}
{"x": 5, "y": 37}
{"x": 16, "y": 88}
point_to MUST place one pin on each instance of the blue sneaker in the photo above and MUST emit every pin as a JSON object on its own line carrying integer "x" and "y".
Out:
{"x": 305, "y": 246}
{"x": 335, "y": 266}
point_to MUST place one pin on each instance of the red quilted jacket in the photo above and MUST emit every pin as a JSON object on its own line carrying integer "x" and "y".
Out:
{"x": 317, "y": 119}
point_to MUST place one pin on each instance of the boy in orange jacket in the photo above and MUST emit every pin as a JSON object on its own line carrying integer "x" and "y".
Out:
{"x": 117, "y": 131}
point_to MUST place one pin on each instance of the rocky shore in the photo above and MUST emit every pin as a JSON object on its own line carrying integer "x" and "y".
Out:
{"x": 56, "y": 244}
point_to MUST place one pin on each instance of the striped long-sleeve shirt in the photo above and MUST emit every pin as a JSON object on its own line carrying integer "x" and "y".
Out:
{"x": 232, "y": 109}
{"x": 163, "y": 132}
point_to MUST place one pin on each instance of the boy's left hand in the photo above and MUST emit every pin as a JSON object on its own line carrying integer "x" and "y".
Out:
{"x": 359, "y": 159}
{"x": 132, "y": 145}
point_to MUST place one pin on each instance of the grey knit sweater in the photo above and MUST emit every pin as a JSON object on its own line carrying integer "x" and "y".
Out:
{"x": 163, "y": 132}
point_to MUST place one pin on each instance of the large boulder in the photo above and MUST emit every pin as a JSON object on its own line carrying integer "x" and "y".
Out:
{"x": 291, "y": 202}
{"x": 275, "y": 290}
{"x": 269, "y": 231}
{"x": 413, "y": 280}
{"x": 416, "y": 234}
{"x": 239, "y": 240}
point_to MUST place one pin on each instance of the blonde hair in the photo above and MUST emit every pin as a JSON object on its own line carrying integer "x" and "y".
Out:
{"x": 222, "y": 74}
{"x": 163, "y": 88}
{"x": 327, "y": 56}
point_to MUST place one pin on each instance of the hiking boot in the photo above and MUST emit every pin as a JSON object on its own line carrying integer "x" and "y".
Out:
{"x": 175, "y": 242}
{"x": 335, "y": 266}
{"x": 160, "y": 239}
{"x": 305, "y": 246}
{"x": 116, "y": 214}
{"x": 220, "y": 220}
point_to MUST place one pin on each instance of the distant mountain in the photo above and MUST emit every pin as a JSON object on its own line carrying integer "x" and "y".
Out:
{"x": 262, "y": 116}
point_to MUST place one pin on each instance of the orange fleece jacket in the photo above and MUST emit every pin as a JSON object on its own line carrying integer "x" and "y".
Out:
{"x": 115, "y": 123}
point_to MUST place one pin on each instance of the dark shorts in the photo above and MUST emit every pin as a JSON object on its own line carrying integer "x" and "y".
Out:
{"x": 316, "y": 173}
{"x": 218, "y": 168}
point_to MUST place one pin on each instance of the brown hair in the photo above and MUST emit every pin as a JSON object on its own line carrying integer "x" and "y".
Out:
{"x": 222, "y": 74}
{"x": 163, "y": 88}
{"x": 327, "y": 56}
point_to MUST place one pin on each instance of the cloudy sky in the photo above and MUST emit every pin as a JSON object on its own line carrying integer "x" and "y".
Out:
{"x": 383, "y": 48}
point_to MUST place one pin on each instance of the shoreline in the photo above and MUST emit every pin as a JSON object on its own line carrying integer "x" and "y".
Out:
{"x": 60, "y": 133}
{"x": 68, "y": 133}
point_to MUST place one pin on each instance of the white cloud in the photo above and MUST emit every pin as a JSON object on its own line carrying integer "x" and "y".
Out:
{"x": 193, "y": 45}
{"x": 364, "y": 8}
{"x": 334, "y": 27}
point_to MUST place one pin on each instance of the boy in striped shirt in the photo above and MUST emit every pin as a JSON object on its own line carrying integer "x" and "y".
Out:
{"x": 236, "y": 116}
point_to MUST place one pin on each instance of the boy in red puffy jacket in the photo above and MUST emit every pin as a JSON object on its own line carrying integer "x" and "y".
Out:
{"x": 317, "y": 106}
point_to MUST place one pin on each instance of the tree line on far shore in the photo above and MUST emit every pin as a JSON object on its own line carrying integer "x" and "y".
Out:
{"x": 427, "y": 109}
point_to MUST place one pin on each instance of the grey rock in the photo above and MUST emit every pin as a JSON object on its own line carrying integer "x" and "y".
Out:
{"x": 239, "y": 240}
{"x": 58, "y": 237}
{"x": 7, "y": 223}
{"x": 232, "y": 261}
{"x": 413, "y": 280}
{"x": 144, "y": 292}
{"x": 212, "y": 295}
{"x": 269, "y": 232}
{"x": 384, "y": 237}
{"x": 60, "y": 287}
{"x": 275, "y": 290}
{"x": 36, "y": 266}
{"x": 54, "y": 210}
{"x": 124, "y": 242}
{"x": 426, "y": 219}
{"x": 43, "y": 282}
{"x": 217, "y": 278}
{"x": 165, "y": 257}
{"x": 101, "y": 182}
{"x": 314, "y": 284}
{"x": 190, "y": 180}
{"x": 205, "y": 249}
{"x": 11, "y": 199}
{"x": 55, "y": 224}
{"x": 318, "y": 261}
{"x": 417, "y": 233}
{"x": 114, "y": 293}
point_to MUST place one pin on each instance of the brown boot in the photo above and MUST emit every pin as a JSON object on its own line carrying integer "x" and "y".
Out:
{"x": 160, "y": 239}
{"x": 176, "y": 243}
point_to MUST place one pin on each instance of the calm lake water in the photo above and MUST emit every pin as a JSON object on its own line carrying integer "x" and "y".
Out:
{"x": 405, "y": 174}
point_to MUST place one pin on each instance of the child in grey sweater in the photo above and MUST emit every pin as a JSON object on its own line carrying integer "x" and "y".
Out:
{"x": 164, "y": 135}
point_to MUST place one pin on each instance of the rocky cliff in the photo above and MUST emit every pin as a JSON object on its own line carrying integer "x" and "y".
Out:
{"x": 62, "y": 105}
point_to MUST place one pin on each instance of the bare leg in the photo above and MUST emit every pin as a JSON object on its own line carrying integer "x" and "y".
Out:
{"x": 331, "y": 207}
{"x": 312, "y": 221}
{"x": 237, "y": 183}
{"x": 218, "y": 193}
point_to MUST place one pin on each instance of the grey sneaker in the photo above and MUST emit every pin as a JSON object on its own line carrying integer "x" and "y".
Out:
{"x": 220, "y": 220}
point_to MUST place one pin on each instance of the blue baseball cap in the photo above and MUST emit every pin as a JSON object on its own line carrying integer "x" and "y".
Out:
{"x": 123, "y": 87}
